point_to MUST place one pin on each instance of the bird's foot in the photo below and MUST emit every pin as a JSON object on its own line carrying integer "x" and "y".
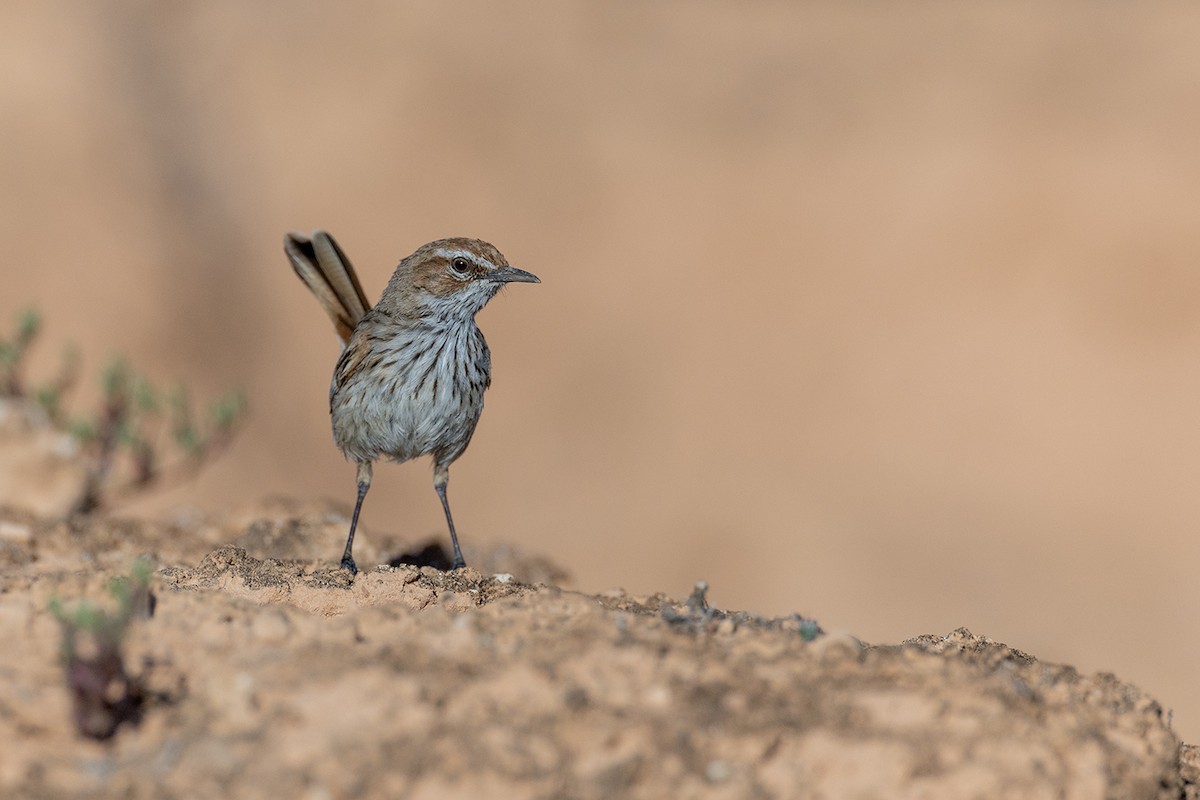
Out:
{"x": 349, "y": 565}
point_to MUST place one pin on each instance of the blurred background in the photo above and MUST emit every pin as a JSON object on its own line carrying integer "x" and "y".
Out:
{"x": 888, "y": 314}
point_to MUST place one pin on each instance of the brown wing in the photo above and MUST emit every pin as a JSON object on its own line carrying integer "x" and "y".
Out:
{"x": 330, "y": 276}
{"x": 350, "y": 361}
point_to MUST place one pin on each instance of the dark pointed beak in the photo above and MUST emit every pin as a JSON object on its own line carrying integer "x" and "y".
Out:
{"x": 512, "y": 275}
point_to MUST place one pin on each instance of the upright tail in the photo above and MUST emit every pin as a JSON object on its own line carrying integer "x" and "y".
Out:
{"x": 323, "y": 266}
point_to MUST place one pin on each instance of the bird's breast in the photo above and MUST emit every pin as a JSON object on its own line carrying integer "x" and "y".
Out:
{"x": 405, "y": 393}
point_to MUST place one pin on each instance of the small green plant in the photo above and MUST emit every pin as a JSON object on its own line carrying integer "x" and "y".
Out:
{"x": 144, "y": 423}
{"x": 13, "y": 351}
{"x": 154, "y": 433}
{"x": 103, "y": 693}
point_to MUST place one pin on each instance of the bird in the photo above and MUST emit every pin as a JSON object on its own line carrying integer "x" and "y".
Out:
{"x": 414, "y": 367}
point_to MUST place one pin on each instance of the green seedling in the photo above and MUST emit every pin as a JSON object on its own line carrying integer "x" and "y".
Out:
{"x": 152, "y": 435}
{"x": 143, "y": 424}
{"x": 14, "y": 350}
{"x": 103, "y": 693}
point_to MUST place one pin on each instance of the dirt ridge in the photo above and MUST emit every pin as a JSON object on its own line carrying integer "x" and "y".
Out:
{"x": 269, "y": 675}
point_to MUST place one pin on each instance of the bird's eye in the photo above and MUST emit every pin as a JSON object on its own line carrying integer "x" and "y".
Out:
{"x": 460, "y": 267}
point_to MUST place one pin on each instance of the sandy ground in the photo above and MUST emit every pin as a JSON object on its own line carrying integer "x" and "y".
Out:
{"x": 265, "y": 677}
{"x": 255, "y": 668}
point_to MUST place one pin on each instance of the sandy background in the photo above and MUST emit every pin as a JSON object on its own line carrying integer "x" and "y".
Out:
{"x": 886, "y": 314}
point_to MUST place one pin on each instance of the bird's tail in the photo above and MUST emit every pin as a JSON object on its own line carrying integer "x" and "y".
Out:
{"x": 324, "y": 268}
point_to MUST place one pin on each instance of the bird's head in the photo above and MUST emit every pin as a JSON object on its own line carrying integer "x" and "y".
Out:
{"x": 453, "y": 277}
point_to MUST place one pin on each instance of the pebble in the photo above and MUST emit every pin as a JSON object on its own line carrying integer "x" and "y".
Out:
{"x": 15, "y": 531}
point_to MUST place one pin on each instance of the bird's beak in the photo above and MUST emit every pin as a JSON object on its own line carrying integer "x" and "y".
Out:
{"x": 512, "y": 275}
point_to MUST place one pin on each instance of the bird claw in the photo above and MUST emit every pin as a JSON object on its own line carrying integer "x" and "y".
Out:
{"x": 349, "y": 565}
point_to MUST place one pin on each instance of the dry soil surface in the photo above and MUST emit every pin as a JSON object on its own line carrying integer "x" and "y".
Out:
{"x": 261, "y": 670}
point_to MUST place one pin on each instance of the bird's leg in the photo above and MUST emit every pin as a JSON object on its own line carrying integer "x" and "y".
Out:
{"x": 441, "y": 477}
{"x": 364, "y": 483}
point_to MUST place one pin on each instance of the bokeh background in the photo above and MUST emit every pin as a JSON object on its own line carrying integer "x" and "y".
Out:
{"x": 886, "y": 313}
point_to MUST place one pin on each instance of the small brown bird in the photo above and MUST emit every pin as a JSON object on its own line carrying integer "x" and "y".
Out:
{"x": 413, "y": 369}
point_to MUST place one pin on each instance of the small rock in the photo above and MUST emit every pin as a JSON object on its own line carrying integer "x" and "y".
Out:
{"x": 15, "y": 532}
{"x": 718, "y": 770}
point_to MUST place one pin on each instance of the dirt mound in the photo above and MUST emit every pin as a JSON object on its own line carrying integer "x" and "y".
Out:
{"x": 282, "y": 677}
